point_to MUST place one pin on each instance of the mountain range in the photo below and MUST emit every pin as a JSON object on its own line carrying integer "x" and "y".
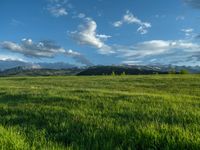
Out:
{"x": 20, "y": 68}
{"x": 8, "y": 64}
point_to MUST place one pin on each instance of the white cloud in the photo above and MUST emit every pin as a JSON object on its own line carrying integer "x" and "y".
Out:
{"x": 157, "y": 50}
{"x": 57, "y": 7}
{"x": 28, "y": 48}
{"x": 160, "y": 16}
{"x": 188, "y": 32}
{"x": 42, "y": 49}
{"x": 103, "y": 36}
{"x": 156, "y": 47}
{"x": 143, "y": 49}
{"x": 118, "y": 23}
{"x": 57, "y": 11}
{"x": 137, "y": 53}
{"x": 10, "y": 58}
{"x": 87, "y": 35}
{"x": 129, "y": 18}
{"x": 11, "y": 46}
{"x": 180, "y": 18}
{"x": 81, "y": 15}
{"x": 142, "y": 30}
{"x": 131, "y": 62}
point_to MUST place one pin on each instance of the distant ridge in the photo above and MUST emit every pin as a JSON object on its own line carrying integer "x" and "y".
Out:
{"x": 118, "y": 70}
{"x": 24, "y": 71}
{"x": 9, "y": 64}
{"x": 48, "y": 70}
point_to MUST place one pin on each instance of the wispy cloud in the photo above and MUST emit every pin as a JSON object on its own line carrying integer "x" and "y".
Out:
{"x": 145, "y": 48}
{"x": 10, "y": 58}
{"x": 58, "y": 8}
{"x": 160, "y": 49}
{"x": 131, "y": 62}
{"x": 15, "y": 22}
{"x": 129, "y": 18}
{"x": 42, "y": 49}
{"x": 81, "y": 15}
{"x": 160, "y": 16}
{"x": 78, "y": 57}
{"x": 103, "y": 36}
{"x": 57, "y": 11}
{"x": 148, "y": 51}
{"x": 193, "y": 3}
{"x": 178, "y": 18}
{"x": 87, "y": 35}
{"x": 188, "y": 32}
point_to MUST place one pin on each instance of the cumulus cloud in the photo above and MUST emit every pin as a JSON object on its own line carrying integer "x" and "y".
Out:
{"x": 87, "y": 35}
{"x": 129, "y": 18}
{"x": 28, "y": 48}
{"x": 57, "y": 7}
{"x": 42, "y": 49}
{"x": 137, "y": 53}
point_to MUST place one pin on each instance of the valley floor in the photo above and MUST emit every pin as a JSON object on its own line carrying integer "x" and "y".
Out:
{"x": 102, "y": 112}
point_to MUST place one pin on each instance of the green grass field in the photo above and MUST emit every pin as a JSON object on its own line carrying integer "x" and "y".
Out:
{"x": 103, "y": 112}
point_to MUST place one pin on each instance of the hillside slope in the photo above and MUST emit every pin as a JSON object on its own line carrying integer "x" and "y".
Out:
{"x": 104, "y": 112}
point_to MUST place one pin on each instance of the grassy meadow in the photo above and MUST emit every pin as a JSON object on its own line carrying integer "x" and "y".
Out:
{"x": 100, "y": 112}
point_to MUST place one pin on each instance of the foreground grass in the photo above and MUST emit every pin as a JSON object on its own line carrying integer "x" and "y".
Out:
{"x": 105, "y": 112}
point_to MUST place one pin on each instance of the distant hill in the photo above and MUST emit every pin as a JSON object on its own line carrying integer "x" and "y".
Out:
{"x": 9, "y": 64}
{"x": 23, "y": 71}
{"x": 118, "y": 70}
{"x": 53, "y": 70}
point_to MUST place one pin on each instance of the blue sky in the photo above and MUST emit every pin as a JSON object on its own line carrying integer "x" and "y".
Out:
{"x": 93, "y": 32}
